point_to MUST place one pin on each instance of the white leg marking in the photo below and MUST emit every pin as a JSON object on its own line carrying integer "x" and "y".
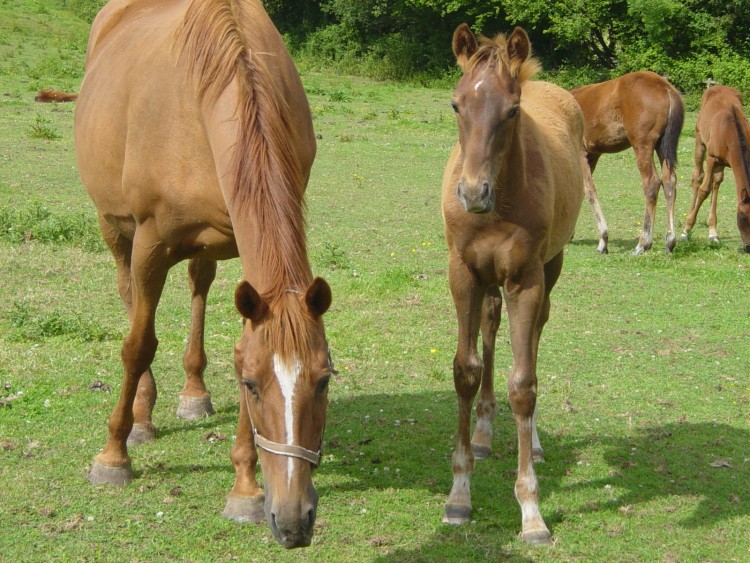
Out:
{"x": 287, "y": 376}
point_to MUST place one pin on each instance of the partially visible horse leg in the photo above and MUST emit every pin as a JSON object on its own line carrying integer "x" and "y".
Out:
{"x": 526, "y": 303}
{"x": 713, "y": 233}
{"x": 467, "y": 374}
{"x": 145, "y": 398}
{"x": 149, "y": 266}
{"x": 245, "y": 500}
{"x": 699, "y": 155}
{"x": 700, "y": 193}
{"x": 481, "y": 440}
{"x": 669, "y": 185}
{"x": 588, "y": 164}
{"x": 644, "y": 155}
{"x": 195, "y": 400}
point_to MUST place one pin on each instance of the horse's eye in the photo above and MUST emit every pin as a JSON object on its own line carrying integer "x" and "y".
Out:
{"x": 323, "y": 384}
{"x": 454, "y": 105}
{"x": 250, "y": 385}
{"x": 513, "y": 111}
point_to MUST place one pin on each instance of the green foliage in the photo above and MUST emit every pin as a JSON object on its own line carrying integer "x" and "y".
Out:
{"x": 84, "y": 9}
{"x": 31, "y": 325}
{"x": 37, "y": 222}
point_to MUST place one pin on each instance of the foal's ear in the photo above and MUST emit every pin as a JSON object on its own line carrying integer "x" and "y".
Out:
{"x": 249, "y": 302}
{"x": 518, "y": 46}
{"x": 464, "y": 44}
{"x": 318, "y": 297}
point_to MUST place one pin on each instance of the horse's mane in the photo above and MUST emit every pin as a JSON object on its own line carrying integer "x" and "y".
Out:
{"x": 267, "y": 172}
{"x": 494, "y": 51}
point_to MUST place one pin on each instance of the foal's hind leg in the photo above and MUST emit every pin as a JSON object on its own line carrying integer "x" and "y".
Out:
{"x": 701, "y": 193}
{"x": 145, "y": 399}
{"x": 195, "y": 400}
{"x": 467, "y": 374}
{"x": 149, "y": 267}
{"x": 481, "y": 440}
{"x": 588, "y": 164}
{"x": 699, "y": 155}
{"x": 669, "y": 185}
{"x": 651, "y": 182}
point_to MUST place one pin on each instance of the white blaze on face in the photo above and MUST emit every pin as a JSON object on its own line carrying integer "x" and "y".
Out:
{"x": 287, "y": 376}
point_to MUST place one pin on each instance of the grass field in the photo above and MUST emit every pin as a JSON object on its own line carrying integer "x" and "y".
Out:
{"x": 643, "y": 368}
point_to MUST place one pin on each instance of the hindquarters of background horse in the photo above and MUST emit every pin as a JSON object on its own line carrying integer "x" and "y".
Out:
{"x": 554, "y": 124}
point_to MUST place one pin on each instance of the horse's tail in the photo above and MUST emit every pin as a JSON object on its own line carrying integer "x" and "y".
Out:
{"x": 673, "y": 129}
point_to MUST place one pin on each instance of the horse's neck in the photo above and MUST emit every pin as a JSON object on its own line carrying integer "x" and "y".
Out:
{"x": 739, "y": 152}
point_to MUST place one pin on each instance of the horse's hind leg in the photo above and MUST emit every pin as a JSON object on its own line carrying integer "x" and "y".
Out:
{"x": 651, "y": 182}
{"x": 145, "y": 399}
{"x": 701, "y": 192}
{"x": 588, "y": 163}
{"x": 669, "y": 185}
{"x": 467, "y": 374}
{"x": 195, "y": 400}
{"x": 481, "y": 440}
{"x": 149, "y": 267}
{"x": 699, "y": 155}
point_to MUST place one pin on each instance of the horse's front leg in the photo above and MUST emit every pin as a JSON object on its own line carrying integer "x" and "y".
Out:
{"x": 467, "y": 374}
{"x": 699, "y": 155}
{"x": 481, "y": 440}
{"x": 195, "y": 400}
{"x": 713, "y": 233}
{"x": 525, "y": 299}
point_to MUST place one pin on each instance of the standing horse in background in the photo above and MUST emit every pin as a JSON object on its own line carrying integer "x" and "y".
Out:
{"x": 721, "y": 138}
{"x": 640, "y": 110}
{"x": 194, "y": 139}
{"x": 512, "y": 191}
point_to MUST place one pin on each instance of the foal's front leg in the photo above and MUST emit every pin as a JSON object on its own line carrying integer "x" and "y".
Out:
{"x": 525, "y": 301}
{"x": 467, "y": 374}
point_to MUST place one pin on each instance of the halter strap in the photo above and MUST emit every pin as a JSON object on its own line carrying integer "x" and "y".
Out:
{"x": 289, "y": 450}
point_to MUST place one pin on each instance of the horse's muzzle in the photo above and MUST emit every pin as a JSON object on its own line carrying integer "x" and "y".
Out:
{"x": 747, "y": 248}
{"x": 480, "y": 199}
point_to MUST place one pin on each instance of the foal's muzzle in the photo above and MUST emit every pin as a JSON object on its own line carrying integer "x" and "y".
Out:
{"x": 479, "y": 198}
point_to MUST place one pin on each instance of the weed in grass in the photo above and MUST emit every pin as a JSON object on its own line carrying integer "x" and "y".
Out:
{"x": 333, "y": 257}
{"x": 339, "y": 96}
{"x": 35, "y": 326}
{"x": 42, "y": 129}
{"x": 36, "y": 222}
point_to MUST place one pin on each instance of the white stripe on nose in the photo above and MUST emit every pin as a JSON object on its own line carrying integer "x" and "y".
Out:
{"x": 287, "y": 376}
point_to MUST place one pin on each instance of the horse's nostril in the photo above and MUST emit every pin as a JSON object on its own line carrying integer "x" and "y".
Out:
{"x": 485, "y": 190}
{"x": 310, "y": 518}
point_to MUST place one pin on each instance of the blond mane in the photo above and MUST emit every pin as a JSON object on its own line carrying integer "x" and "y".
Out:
{"x": 494, "y": 53}
{"x": 268, "y": 178}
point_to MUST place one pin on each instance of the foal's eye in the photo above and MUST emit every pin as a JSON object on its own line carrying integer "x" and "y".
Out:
{"x": 454, "y": 105}
{"x": 513, "y": 111}
{"x": 323, "y": 384}
{"x": 251, "y": 387}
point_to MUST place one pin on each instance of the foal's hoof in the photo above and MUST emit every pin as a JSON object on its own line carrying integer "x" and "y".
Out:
{"x": 141, "y": 434}
{"x": 456, "y": 514}
{"x": 684, "y": 237}
{"x": 110, "y": 475}
{"x": 671, "y": 242}
{"x": 714, "y": 240}
{"x": 191, "y": 408}
{"x": 537, "y": 455}
{"x": 537, "y": 537}
{"x": 245, "y": 509}
{"x": 480, "y": 451}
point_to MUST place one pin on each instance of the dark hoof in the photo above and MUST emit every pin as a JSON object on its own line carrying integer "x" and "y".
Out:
{"x": 456, "y": 514}
{"x": 480, "y": 452}
{"x": 109, "y": 475}
{"x": 141, "y": 434}
{"x": 537, "y": 537}
{"x": 671, "y": 242}
{"x": 191, "y": 408}
{"x": 245, "y": 509}
{"x": 537, "y": 455}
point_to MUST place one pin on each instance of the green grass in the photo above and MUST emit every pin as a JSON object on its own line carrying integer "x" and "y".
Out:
{"x": 642, "y": 370}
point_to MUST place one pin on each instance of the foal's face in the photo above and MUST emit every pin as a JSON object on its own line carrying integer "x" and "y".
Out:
{"x": 487, "y": 104}
{"x": 743, "y": 219}
{"x": 287, "y": 399}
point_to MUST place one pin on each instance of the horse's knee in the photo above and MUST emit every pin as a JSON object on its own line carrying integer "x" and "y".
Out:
{"x": 138, "y": 353}
{"x": 467, "y": 375}
{"x": 522, "y": 398}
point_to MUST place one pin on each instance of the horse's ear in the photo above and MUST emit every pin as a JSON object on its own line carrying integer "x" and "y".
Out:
{"x": 744, "y": 196}
{"x": 464, "y": 44}
{"x": 318, "y": 297}
{"x": 519, "y": 46}
{"x": 249, "y": 303}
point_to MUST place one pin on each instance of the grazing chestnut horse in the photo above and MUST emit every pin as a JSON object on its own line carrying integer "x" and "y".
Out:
{"x": 640, "y": 110}
{"x": 722, "y": 134}
{"x": 512, "y": 191}
{"x": 195, "y": 141}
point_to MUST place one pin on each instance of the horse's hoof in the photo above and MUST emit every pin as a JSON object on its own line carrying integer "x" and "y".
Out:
{"x": 537, "y": 454}
{"x": 714, "y": 240}
{"x": 191, "y": 408}
{"x": 601, "y": 250}
{"x": 537, "y": 537}
{"x": 110, "y": 475}
{"x": 671, "y": 242}
{"x": 638, "y": 250}
{"x": 481, "y": 452}
{"x": 141, "y": 434}
{"x": 684, "y": 237}
{"x": 245, "y": 509}
{"x": 456, "y": 514}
